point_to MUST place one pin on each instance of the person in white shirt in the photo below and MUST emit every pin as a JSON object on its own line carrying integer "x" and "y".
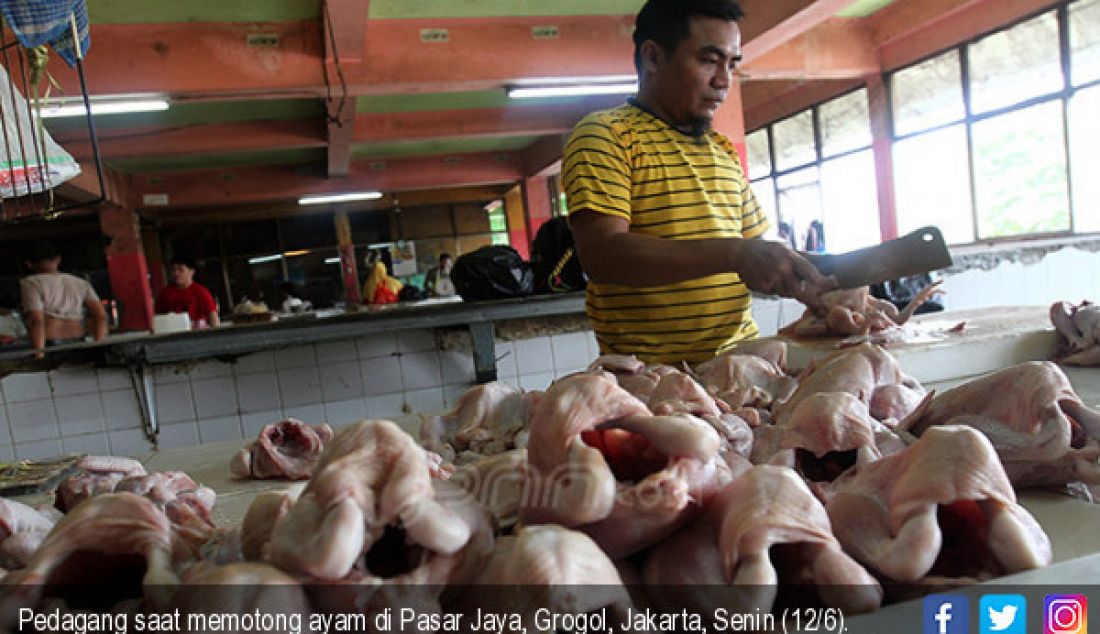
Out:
{"x": 438, "y": 280}
{"x": 54, "y": 303}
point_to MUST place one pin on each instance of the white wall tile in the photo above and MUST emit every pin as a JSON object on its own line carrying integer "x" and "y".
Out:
{"x": 330, "y": 351}
{"x": 457, "y": 367}
{"x": 73, "y": 380}
{"x": 113, "y": 379}
{"x": 252, "y": 423}
{"x": 341, "y": 413}
{"x": 5, "y": 429}
{"x": 209, "y": 369}
{"x": 415, "y": 341}
{"x": 570, "y": 351}
{"x": 214, "y": 398}
{"x": 129, "y": 442}
{"x": 312, "y": 414}
{"x": 120, "y": 410}
{"x": 534, "y": 356}
{"x": 258, "y": 392}
{"x": 385, "y": 405}
{"x": 300, "y": 386}
{"x": 536, "y": 381}
{"x": 178, "y": 435}
{"x": 428, "y": 402}
{"x": 378, "y": 345}
{"x": 219, "y": 429}
{"x": 506, "y": 361}
{"x": 39, "y": 450}
{"x": 80, "y": 414}
{"x": 91, "y": 444}
{"x": 420, "y": 370}
{"x": 257, "y": 362}
{"x": 341, "y": 381}
{"x": 296, "y": 357}
{"x": 174, "y": 403}
{"x": 7, "y": 453}
{"x": 381, "y": 375}
{"x": 32, "y": 421}
{"x": 167, "y": 374}
{"x": 26, "y": 386}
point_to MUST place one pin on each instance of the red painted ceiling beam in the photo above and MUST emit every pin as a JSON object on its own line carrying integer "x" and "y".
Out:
{"x": 794, "y": 25}
{"x": 839, "y": 48}
{"x": 344, "y": 24}
{"x": 203, "y": 188}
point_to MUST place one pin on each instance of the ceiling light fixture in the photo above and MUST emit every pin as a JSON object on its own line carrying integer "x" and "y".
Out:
{"x": 493, "y": 205}
{"x": 265, "y": 258}
{"x": 332, "y": 260}
{"x": 573, "y": 90}
{"x": 320, "y": 199}
{"x": 50, "y": 111}
{"x": 292, "y": 254}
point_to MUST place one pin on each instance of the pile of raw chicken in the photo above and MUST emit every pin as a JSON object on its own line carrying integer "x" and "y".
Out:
{"x": 832, "y": 486}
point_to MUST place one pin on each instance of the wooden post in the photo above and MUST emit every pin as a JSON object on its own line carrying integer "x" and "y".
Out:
{"x": 126, "y": 267}
{"x": 347, "y": 260}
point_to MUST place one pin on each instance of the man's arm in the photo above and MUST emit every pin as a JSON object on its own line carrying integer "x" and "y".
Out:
{"x": 213, "y": 319}
{"x": 36, "y": 328}
{"x": 611, "y": 254}
{"x": 99, "y": 318}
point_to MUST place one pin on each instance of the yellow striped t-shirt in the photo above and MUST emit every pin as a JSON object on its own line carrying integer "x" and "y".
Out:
{"x": 628, "y": 163}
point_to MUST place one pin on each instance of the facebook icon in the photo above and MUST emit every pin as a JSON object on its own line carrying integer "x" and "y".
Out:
{"x": 946, "y": 614}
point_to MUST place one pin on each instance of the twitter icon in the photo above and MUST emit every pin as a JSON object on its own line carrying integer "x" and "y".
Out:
{"x": 1002, "y": 614}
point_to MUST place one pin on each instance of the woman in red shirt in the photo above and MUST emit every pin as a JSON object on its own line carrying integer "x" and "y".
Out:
{"x": 184, "y": 295}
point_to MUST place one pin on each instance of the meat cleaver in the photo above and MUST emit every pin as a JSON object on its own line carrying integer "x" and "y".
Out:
{"x": 919, "y": 252}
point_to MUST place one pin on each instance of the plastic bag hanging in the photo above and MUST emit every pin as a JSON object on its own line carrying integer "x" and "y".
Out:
{"x": 30, "y": 160}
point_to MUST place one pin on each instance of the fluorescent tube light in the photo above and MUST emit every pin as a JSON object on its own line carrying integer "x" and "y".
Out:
{"x": 332, "y": 260}
{"x": 494, "y": 205}
{"x": 575, "y": 90}
{"x": 104, "y": 107}
{"x": 320, "y": 199}
{"x": 291, "y": 254}
{"x": 265, "y": 258}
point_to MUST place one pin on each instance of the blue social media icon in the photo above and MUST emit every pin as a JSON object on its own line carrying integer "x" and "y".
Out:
{"x": 946, "y": 614}
{"x": 1002, "y": 614}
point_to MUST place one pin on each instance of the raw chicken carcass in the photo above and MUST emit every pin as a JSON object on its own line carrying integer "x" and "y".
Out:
{"x": 1041, "y": 430}
{"x": 95, "y": 475}
{"x": 600, "y": 462}
{"x": 551, "y": 568}
{"x": 856, "y": 312}
{"x": 748, "y": 380}
{"x": 22, "y": 530}
{"x": 186, "y": 504}
{"x": 1079, "y": 327}
{"x": 487, "y": 420}
{"x": 496, "y": 483}
{"x": 371, "y": 507}
{"x": 288, "y": 449}
{"x": 941, "y": 509}
{"x": 763, "y": 533}
{"x": 267, "y": 508}
{"x": 208, "y": 592}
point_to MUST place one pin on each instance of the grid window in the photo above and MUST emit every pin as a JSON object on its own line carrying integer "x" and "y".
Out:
{"x": 1084, "y": 128}
{"x": 1020, "y": 172}
{"x": 928, "y": 94}
{"x": 794, "y": 141}
{"x": 932, "y": 183}
{"x": 759, "y": 159}
{"x": 845, "y": 124}
{"x": 1015, "y": 64}
{"x": 850, "y": 202}
{"x": 1084, "y": 40}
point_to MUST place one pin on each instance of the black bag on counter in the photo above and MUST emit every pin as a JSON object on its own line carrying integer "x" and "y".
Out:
{"x": 901, "y": 291}
{"x": 494, "y": 272}
{"x": 411, "y": 293}
{"x": 554, "y": 259}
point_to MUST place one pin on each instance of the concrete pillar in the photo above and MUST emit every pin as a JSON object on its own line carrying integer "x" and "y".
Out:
{"x": 517, "y": 224}
{"x": 154, "y": 258}
{"x": 348, "y": 267}
{"x": 538, "y": 206}
{"x": 127, "y": 268}
{"x": 882, "y": 149}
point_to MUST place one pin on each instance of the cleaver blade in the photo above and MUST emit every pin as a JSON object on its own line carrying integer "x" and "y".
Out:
{"x": 921, "y": 251}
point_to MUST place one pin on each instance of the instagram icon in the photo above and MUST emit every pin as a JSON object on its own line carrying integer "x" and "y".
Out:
{"x": 1065, "y": 614}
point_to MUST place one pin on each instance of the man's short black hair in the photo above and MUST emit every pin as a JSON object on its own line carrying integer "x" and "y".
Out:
{"x": 187, "y": 261}
{"x": 41, "y": 251}
{"x": 444, "y": 256}
{"x": 668, "y": 22}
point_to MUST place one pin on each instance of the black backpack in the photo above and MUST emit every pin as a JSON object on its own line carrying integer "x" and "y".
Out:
{"x": 494, "y": 272}
{"x": 554, "y": 259}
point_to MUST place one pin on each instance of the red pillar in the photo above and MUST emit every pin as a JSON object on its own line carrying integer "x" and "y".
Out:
{"x": 539, "y": 207}
{"x": 127, "y": 268}
{"x": 730, "y": 120}
{"x": 884, "y": 157}
{"x": 154, "y": 259}
{"x": 348, "y": 267}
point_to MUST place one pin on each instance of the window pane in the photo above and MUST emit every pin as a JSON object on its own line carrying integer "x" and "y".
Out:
{"x": 1014, "y": 65}
{"x": 928, "y": 94}
{"x": 1020, "y": 172}
{"x": 932, "y": 184}
{"x": 845, "y": 124}
{"x": 756, "y": 145}
{"x": 851, "y": 202}
{"x": 1084, "y": 40}
{"x": 794, "y": 141}
{"x": 764, "y": 190}
{"x": 1084, "y": 139}
{"x": 799, "y": 198}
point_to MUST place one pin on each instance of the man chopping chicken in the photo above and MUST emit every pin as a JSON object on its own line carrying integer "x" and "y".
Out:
{"x": 664, "y": 221}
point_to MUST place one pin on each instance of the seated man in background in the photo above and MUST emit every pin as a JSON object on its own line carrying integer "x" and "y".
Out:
{"x": 438, "y": 280}
{"x": 54, "y": 302}
{"x": 185, "y": 295}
